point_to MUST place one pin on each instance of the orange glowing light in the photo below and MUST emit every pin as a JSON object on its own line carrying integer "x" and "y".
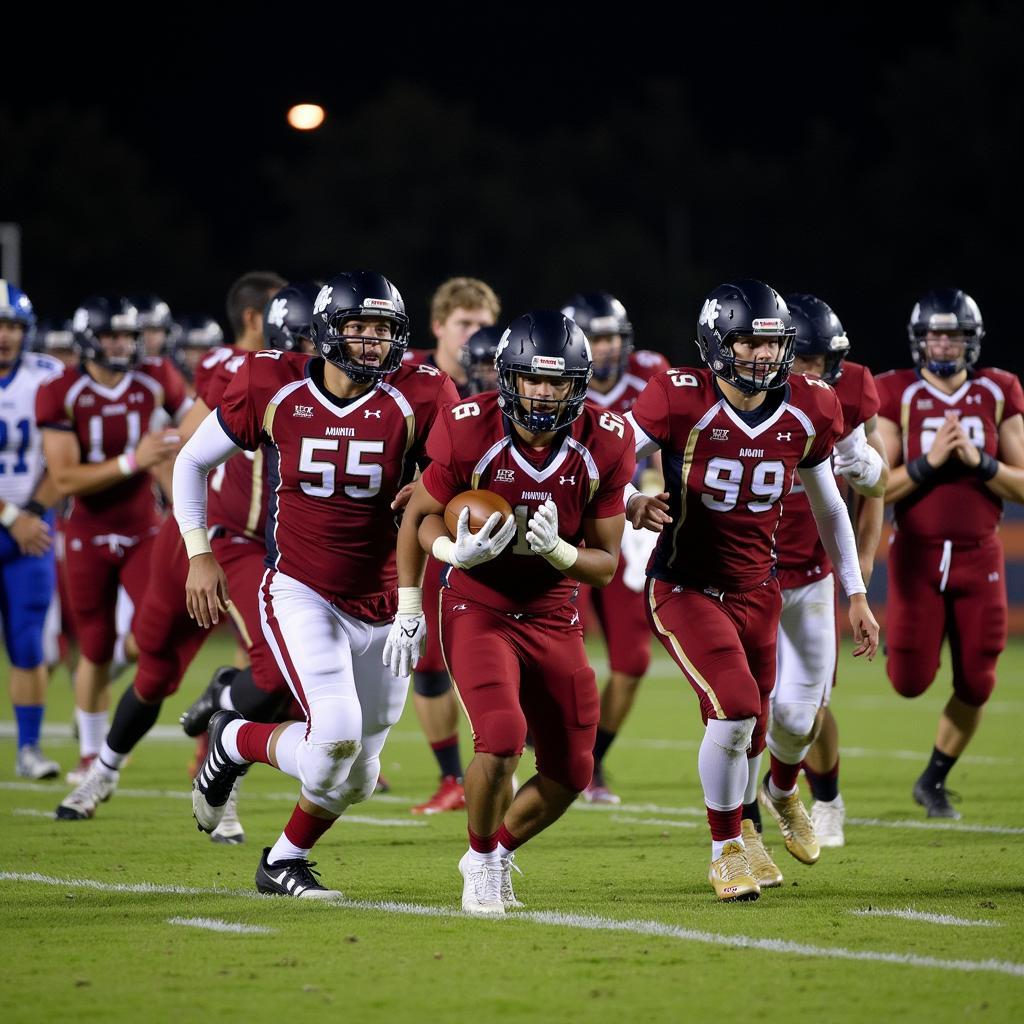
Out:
{"x": 305, "y": 117}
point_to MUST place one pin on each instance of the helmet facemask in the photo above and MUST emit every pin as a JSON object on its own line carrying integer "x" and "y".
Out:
{"x": 369, "y": 357}
{"x": 556, "y": 412}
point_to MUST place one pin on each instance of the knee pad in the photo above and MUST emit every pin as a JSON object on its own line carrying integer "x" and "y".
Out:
{"x": 731, "y": 735}
{"x": 157, "y": 676}
{"x": 324, "y": 767}
{"x": 501, "y": 733}
{"x": 431, "y": 684}
{"x": 908, "y": 676}
{"x": 791, "y": 730}
{"x": 359, "y": 786}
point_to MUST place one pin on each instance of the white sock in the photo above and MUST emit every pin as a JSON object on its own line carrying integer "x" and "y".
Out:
{"x": 227, "y": 740}
{"x": 504, "y": 853}
{"x": 717, "y": 846}
{"x": 484, "y": 858}
{"x": 753, "y": 778}
{"x": 226, "y": 703}
{"x": 111, "y": 759}
{"x": 287, "y": 749}
{"x": 779, "y": 794}
{"x": 92, "y": 731}
{"x": 285, "y": 850}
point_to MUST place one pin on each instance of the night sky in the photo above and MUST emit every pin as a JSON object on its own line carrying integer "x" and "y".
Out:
{"x": 849, "y": 155}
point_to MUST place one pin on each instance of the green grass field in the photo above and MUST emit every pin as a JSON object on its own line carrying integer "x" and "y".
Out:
{"x": 620, "y": 922}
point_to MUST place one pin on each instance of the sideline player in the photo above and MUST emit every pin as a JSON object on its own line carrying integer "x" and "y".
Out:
{"x": 459, "y": 308}
{"x": 347, "y": 431}
{"x": 510, "y": 633}
{"x": 620, "y": 374}
{"x": 99, "y": 449}
{"x": 806, "y": 662}
{"x": 27, "y": 574}
{"x": 733, "y": 438}
{"x": 955, "y": 437}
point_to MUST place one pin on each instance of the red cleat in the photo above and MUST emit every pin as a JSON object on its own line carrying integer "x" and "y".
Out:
{"x": 450, "y": 796}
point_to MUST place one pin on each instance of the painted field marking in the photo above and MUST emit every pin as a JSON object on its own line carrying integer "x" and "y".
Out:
{"x": 580, "y": 922}
{"x": 31, "y": 812}
{"x": 936, "y": 826}
{"x": 213, "y": 924}
{"x": 910, "y": 914}
{"x": 660, "y": 822}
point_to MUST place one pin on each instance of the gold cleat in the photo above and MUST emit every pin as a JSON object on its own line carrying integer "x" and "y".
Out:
{"x": 794, "y": 821}
{"x": 731, "y": 876}
{"x": 762, "y": 867}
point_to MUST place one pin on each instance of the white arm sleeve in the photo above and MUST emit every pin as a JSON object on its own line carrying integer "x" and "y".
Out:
{"x": 834, "y": 527}
{"x": 208, "y": 447}
{"x": 645, "y": 444}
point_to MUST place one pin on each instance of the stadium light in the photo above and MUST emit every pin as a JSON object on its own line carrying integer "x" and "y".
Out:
{"x": 305, "y": 117}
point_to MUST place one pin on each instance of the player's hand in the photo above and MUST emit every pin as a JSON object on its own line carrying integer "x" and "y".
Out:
{"x": 649, "y": 512}
{"x": 964, "y": 448}
{"x": 542, "y": 529}
{"x": 31, "y": 534}
{"x": 475, "y": 548}
{"x": 865, "y": 628}
{"x": 404, "y": 644}
{"x": 947, "y": 437}
{"x": 402, "y": 497}
{"x": 157, "y": 446}
{"x": 206, "y": 590}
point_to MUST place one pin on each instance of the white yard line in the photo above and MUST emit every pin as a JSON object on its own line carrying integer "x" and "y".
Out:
{"x": 937, "y": 826}
{"x": 909, "y": 914}
{"x": 213, "y": 924}
{"x": 579, "y": 922}
{"x": 31, "y": 812}
{"x": 660, "y": 822}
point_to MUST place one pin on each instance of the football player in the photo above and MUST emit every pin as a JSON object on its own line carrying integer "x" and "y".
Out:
{"x": 347, "y": 431}
{"x": 806, "y": 664}
{"x": 195, "y": 337}
{"x": 155, "y": 324}
{"x": 954, "y": 435}
{"x": 26, "y": 550}
{"x": 460, "y": 308}
{"x": 620, "y": 374}
{"x": 58, "y": 342}
{"x": 734, "y": 437}
{"x": 510, "y": 632}
{"x": 100, "y": 449}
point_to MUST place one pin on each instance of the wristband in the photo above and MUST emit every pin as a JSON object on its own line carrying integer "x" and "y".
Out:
{"x": 128, "y": 464}
{"x": 410, "y": 600}
{"x": 987, "y": 467}
{"x": 921, "y": 470}
{"x": 443, "y": 549}
{"x": 563, "y": 555}
{"x": 197, "y": 541}
{"x": 9, "y": 514}
{"x": 35, "y": 508}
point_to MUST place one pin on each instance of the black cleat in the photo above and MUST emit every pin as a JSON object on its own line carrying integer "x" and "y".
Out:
{"x": 292, "y": 878}
{"x": 196, "y": 719}
{"x": 212, "y": 785}
{"x": 935, "y": 799}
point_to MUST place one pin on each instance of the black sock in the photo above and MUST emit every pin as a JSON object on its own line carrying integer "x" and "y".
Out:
{"x": 938, "y": 768}
{"x": 823, "y": 787}
{"x": 448, "y": 757}
{"x": 132, "y": 720}
{"x": 602, "y": 742}
{"x": 251, "y": 702}
{"x": 753, "y": 813}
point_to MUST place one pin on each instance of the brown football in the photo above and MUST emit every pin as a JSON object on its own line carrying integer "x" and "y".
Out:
{"x": 482, "y": 505}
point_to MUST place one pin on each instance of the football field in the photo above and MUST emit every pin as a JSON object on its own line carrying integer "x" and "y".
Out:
{"x": 136, "y": 916}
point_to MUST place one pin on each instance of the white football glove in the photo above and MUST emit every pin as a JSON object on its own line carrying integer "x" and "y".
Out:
{"x": 856, "y": 460}
{"x": 475, "y": 548}
{"x": 542, "y": 536}
{"x": 404, "y": 644}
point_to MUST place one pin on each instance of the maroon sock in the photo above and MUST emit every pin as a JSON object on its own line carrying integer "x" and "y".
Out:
{"x": 725, "y": 824}
{"x": 253, "y": 739}
{"x": 304, "y": 829}
{"x": 508, "y": 840}
{"x": 784, "y": 775}
{"x": 824, "y": 785}
{"x": 482, "y": 844}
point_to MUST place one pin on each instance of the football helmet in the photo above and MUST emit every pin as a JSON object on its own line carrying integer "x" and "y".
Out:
{"x": 599, "y": 314}
{"x": 357, "y": 294}
{"x": 106, "y": 314}
{"x": 477, "y": 357}
{"x": 288, "y": 318}
{"x": 54, "y": 338}
{"x": 942, "y": 310}
{"x": 745, "y": 308}
{"x": 818, "y": 333}
{"x": 543, "y": 343}
{"x": 154, "y": 315}
{"x": 16, "y": 307}
{"x": 194, "y": 335}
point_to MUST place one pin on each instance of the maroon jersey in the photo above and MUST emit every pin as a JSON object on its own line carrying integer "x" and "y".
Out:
{"x": 107, "y": 422}
{"x": 239, "y": 487}
{"x": 340, "y": 464}
{"x": 726, "y": 477}
{"x": 584, "y": 472}
{"x": 802, "y": 557}
{"x": 954, "y": 505}
{"x": 642, "y": 366}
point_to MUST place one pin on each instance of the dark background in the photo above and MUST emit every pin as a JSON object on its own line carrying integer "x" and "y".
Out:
{"x": 851, "y": 154}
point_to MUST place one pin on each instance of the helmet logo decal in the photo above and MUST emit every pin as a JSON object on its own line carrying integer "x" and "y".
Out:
{"x": 839, "y": 341}
{"x": 278, "y": 312}
{"x": 943, "y": 322}
{"x": 709, "y": 313}
{"x": 81, "y": 321}
{"x": 323, "y": 299}
{"x": 379, "y": 304}
{"x": 503, "y": 344}
{"x": 768, "y": 325}
{"x": 548, "y": 363}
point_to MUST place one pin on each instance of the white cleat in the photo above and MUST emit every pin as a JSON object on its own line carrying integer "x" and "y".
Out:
{"x": 508, "y": 896}
{"x": 828, "y": 817}
{"x": 97, "y": 786}
{"x": 481, "y": 887}
{"x": 32, "y": 763}
{"x": 230, "y": 831}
